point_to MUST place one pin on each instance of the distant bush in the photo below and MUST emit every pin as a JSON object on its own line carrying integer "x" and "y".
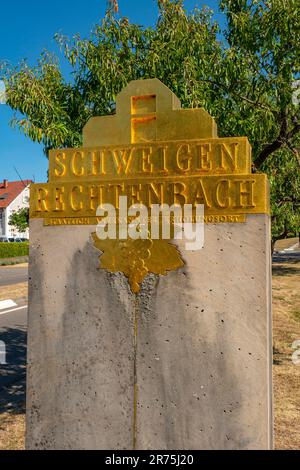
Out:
{"x": 12, "y": 250}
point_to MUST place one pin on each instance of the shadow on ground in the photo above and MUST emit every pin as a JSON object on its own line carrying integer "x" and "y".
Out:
{"x": 13, "y": 373}
{"x": 284, "y": 265}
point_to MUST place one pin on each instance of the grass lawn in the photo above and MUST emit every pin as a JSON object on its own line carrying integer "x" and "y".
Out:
{"x": 286, "y": 329}
{"x": 12, "y": 430}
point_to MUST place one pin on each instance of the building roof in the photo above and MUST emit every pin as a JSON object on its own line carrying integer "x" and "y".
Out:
{"x": 9, "y": 190}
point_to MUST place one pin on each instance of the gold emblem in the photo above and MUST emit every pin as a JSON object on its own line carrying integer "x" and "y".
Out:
{"x": 137, "y": 258}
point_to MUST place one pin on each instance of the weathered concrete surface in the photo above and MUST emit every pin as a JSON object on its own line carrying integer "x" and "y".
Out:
{"x": 80, "y": 349}
{"x": 203, "y": 357}
{"x": 204, "y": 346}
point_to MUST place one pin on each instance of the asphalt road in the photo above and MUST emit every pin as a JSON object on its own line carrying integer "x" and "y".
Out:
{"x": 10, "y": 275}
{"x": 13, "y": 326}
{"x": 13, "y": 338}
{"x": 14, "y": 317}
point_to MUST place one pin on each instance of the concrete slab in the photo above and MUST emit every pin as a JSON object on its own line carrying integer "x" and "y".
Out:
{"x": 193, "y": 371}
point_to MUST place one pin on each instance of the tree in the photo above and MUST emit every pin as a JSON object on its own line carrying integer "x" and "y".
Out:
{"x": 245, "y": 77}
{"x": 283, "y": 171}
{"x": 20, "y": 219}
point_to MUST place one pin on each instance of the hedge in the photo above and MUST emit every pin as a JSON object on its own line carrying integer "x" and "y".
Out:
{"x": 11, "y": 250}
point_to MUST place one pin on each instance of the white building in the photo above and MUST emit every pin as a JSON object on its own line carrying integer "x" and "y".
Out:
{"x": 14, "y": 195}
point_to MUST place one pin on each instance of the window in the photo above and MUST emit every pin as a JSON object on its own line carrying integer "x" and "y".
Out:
{"x": 26, "y": 198}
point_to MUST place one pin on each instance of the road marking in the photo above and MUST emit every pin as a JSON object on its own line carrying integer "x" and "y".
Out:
{"x": 13, "y": 310}
{"x": 7, "y": 304}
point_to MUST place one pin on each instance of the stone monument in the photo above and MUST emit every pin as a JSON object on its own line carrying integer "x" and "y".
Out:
{"x": 142, "y": 344}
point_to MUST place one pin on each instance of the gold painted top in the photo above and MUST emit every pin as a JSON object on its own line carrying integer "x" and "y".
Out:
{"x": 152, "y": 151}
{"x": 147, "y": 111}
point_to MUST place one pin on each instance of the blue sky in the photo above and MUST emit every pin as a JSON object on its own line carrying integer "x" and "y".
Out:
{"x": 27, "y": 27}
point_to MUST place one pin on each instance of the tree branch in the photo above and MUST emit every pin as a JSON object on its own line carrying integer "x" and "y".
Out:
{"x": 283, "y": 138}
{"x": 267, "y": 151}
{"x": 244, "y": 98}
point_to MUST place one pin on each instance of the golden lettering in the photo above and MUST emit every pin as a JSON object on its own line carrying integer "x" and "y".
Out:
{"x": 77, "y": 167}
{"x": 162, "y": 167}
{"x": 59, "y": 204}
{"x": 203, "y": 162}
{"x": 93, "y": 198}
{"x": 134, "y": 195}
{"x": 179, "y": 193}
{"x": 174, "y": 158}
{"x": 219, "y": 195}
{"x": 75, "y": 202}
{"x": 60, "y": 167}
{"x": 229, "y": 154}
{"x": 155, "y": 193}
{"x": 117, "y": 189}
{"x": 122, "y": 159}
{"x": 201, "y": 196}
{"x": 183, "y": 158}
{"x": 222, "y": 202}
{"x": 96, "y": 163}
{"x": 244, "y": 193}
{"x": 41, "y": 200}
{"x": 147, "y": 166}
